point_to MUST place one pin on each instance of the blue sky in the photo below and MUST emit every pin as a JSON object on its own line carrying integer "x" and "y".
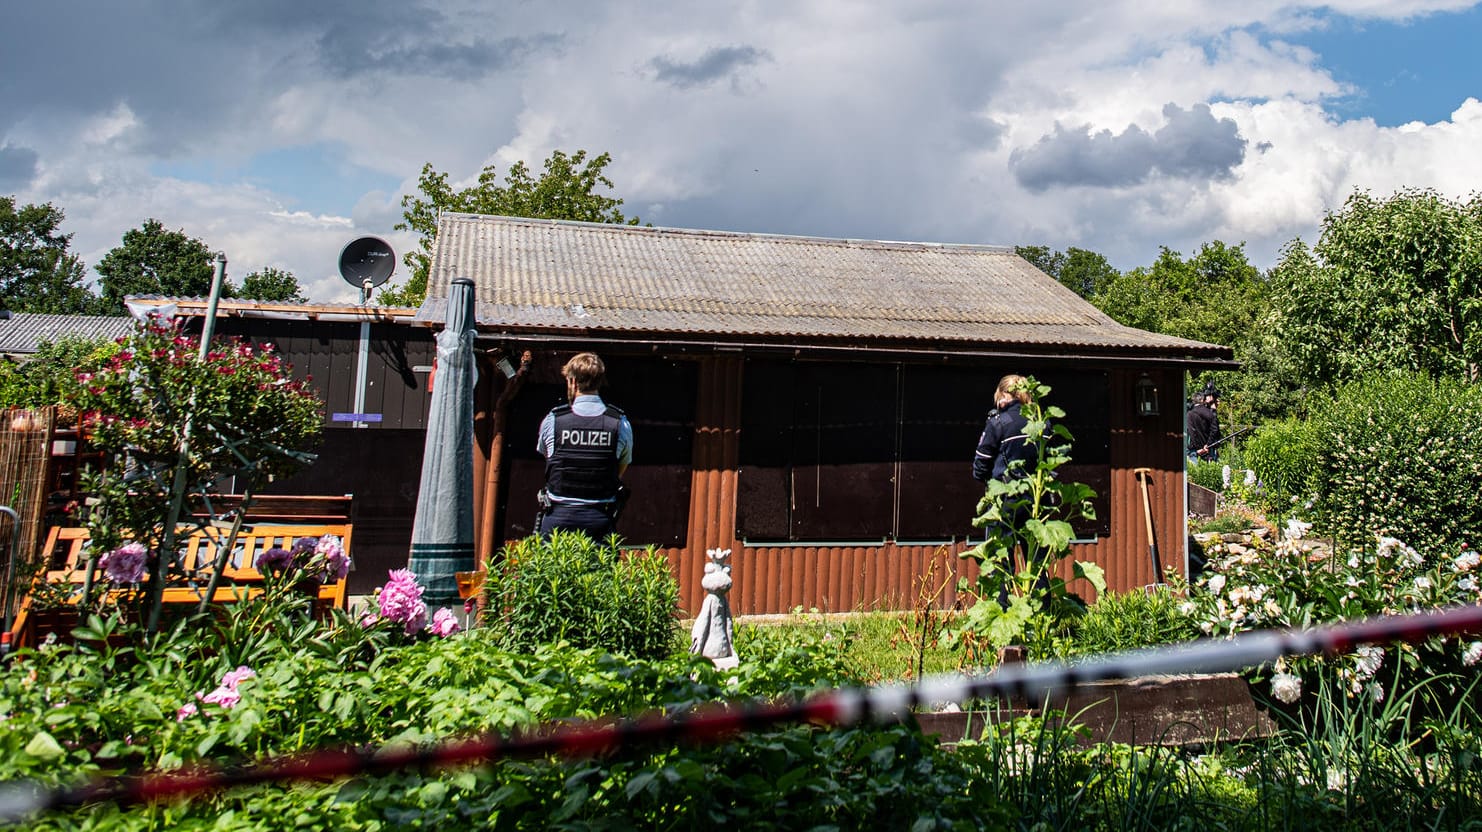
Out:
{"x": 278, "y": 131}
{"x": 1415, "y": 70}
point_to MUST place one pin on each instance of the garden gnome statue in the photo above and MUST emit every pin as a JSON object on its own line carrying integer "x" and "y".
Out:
{"x": 712, "y": 635}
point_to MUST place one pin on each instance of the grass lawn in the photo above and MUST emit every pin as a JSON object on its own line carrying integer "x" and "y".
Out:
{"x": 882, "y": 646}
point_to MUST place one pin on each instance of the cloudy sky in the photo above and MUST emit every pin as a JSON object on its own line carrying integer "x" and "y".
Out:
{"x": 278, "y": 130}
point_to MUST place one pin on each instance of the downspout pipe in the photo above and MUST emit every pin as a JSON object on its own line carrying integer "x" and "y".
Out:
{"x": 492, "y": 476}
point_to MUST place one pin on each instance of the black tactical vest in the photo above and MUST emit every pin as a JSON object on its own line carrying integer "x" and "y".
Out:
{"x": 583, "y": 461}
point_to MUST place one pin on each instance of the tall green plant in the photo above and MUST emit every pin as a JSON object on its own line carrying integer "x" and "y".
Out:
{"x": 1029, "y": 511}
{"x": 571, "y": 588}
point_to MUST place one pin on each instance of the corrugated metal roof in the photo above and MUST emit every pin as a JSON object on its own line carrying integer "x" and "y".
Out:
{"x": 616, "y": 280}
{"x": 23, "y": 332}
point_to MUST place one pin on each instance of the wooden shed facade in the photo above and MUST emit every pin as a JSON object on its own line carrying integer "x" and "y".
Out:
{"x": 810, "y": 404}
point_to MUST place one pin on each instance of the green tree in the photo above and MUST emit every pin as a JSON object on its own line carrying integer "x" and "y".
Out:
{"x": 271, "y": 284}
{"x": 1214, "y": 296}
{"x": 1078, "y": 269}
{"x": 37, "y": 272}
{"x": 566, "y": 190}
{"x": 1391, "y": 285}
{"x": 41, "y": 379}
{"x": 155, "y": 261}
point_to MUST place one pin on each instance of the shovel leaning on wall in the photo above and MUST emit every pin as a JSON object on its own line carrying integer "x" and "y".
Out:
{"x": 1142, "y": 475}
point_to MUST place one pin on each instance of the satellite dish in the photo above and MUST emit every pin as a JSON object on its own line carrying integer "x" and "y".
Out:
{"x": 367, "y": 260}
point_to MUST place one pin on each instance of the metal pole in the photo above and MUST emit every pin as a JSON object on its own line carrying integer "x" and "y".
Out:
{"x": 177, "y": 489}
{"x": 208, "y": 326}
{"x": 362, "y": 359}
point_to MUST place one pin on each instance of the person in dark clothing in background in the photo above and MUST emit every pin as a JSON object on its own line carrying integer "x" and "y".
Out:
{"x": 587, "y": 445}
{"x": 1203, "y": 427}
{"x": 1002, "y": 445}
{"x": 1003, "y": 440}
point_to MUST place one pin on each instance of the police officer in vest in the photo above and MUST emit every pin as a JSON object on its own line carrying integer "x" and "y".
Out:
{"x": 587, "y": 445}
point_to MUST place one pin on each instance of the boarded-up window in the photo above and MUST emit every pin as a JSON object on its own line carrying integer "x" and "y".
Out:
{"x": 860, "y": 452}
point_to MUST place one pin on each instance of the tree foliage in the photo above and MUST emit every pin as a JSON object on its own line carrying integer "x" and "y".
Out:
{"x": 37, "y": 272}
{"x": 1214, "y": 296}
{"x": 1391, "y": 285}
{"x": 1078, "y": 269}
{"x": 155, "y": 261}
{"x": 567, "y": 189}
{"x": 271, "y": 284}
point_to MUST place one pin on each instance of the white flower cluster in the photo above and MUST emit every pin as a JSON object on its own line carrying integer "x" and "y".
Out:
{"x": 1473, "y": 654}
{"x": 1251, "y": 584}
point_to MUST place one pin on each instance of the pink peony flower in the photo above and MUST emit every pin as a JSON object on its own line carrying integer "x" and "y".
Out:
{"x": 444, "y": 623}
{"x": 224, "y": 696}
{"x": 418, "y": 620}
{"x": 401, "y": 601}
{"x": 186, "y": 711}
{"x": 124, "y": 565}
{"x": 336, "y": 562}
{"x": 236, "y": 677}
{"x": 275, "y": 559}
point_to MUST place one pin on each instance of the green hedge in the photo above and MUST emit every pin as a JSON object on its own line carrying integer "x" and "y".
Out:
{"x": 1397, "y": 455}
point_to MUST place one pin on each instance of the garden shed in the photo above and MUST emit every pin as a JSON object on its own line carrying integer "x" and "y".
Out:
{"x": 811, "y": 404}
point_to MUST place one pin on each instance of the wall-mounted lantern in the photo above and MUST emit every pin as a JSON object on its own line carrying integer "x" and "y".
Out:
{"x": 1145, "y": 395}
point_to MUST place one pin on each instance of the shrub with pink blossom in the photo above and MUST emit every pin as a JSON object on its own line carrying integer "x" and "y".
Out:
{"x": 163, "y": 413}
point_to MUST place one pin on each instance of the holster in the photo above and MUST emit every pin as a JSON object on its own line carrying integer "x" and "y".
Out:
{"x": 543, "y": 499}
{"x": 623, "y": 493}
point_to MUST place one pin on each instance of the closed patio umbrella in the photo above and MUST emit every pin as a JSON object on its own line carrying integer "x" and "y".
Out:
{"x": 442, "y": 529}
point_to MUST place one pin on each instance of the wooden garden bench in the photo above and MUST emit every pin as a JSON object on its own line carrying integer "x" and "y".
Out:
{"x": 67, "y": 553}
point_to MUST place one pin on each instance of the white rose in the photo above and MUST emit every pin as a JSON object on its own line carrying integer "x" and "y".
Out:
{"x": 1286, "y": 687}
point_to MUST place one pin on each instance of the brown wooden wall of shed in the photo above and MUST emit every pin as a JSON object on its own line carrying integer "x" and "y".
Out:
{"x": 328, "y": 353}
{"x": 842, "y": 578}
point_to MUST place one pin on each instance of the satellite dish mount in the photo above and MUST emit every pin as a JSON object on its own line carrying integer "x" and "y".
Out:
{"x": 366, "y": 263}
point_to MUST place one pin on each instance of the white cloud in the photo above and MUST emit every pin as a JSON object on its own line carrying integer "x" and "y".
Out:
{"x": 776, "y": 116}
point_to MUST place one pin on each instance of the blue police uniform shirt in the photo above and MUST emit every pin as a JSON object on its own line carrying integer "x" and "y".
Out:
{"x": 585, "y": 405}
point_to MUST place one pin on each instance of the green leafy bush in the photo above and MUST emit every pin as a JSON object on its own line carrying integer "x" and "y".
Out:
{"x": 571, "y": 588}
{"x": 1397, "y": 455}
{"x": 41, "y": 379}
{"x": 1130, "y": 620}
{"x": 1207, "y": 474}
{"x": 1285, "y": 456}
{"x": 75, "y": 712}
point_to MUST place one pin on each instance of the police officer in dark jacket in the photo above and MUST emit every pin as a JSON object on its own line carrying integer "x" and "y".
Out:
{"x": 587, "y": 445}
{"x": 1204, "y": 427}
{"x": 1003, "y": 440}
{"x": 1002, "y": 444}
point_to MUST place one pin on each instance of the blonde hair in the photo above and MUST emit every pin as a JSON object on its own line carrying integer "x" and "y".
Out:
{"x": 1011, "y": 385}
{"x": 586, "y": 369}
